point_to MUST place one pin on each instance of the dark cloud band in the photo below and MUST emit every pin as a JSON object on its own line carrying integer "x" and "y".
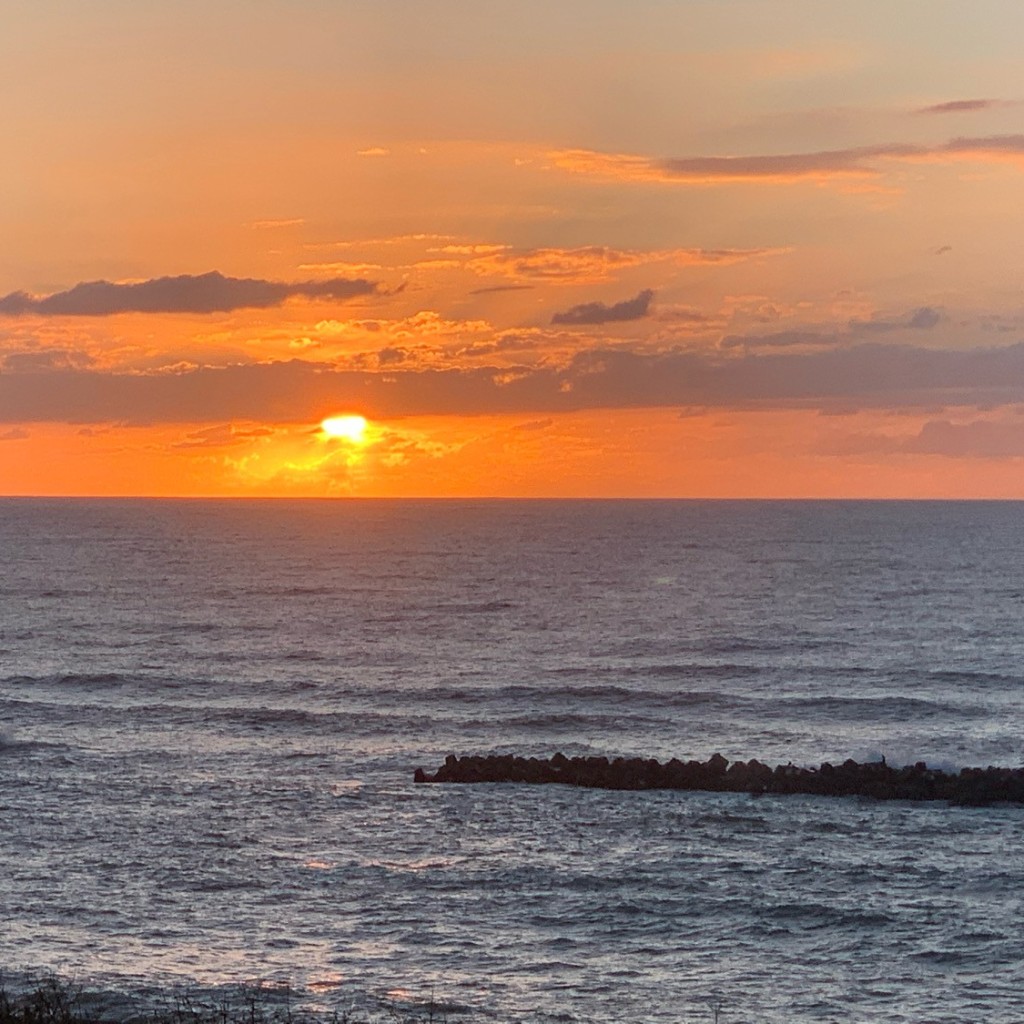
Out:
{"x": 865, "y": 375}
{"x": 202, "y": 293}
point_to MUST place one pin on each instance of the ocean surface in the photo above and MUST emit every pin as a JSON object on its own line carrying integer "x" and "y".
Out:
{"x": 210, "y": 715}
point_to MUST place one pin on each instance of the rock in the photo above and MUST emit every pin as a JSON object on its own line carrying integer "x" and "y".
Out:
{"x": 970, "y": 787}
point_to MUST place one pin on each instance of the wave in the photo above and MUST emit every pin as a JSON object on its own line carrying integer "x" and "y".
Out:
{"x": 819, "y": 915}
{"x": 563, "y": 720}
{"x": 10, "y": 744}
{"x": 68, "y": 679}
{"x": 476, "y": 608}
{"x": 617, "y": 695}
{"x": 871, "y": 707}
{"x": 973, "y": 677}
{"x": 613, "y": 694}
{"x": 415, "y": 612}
{"x": 352, "y": 708}
{"x": 689, "y": 670}
{"x": 724, "y": 646}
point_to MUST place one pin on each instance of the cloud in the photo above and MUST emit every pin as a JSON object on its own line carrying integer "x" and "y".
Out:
{"x": 502, "y": 288}
{"x": 959, "y": 106}
{"x": 381, "y": 242}
{"x": 599, "y": 313}
{"x": 392, "y": 355}
{"x": 474, "y": 249}
{"x": 989, "y": 147}
{"x": 203, "y": 293}
{"x": 923, "y": 319}
{"x": 222, "y": 436}
{"x": 531, "y": 425}
{"x": 520, "y": 342}
{"x": 976, "y": 439}
{"x": 787, "y": 168}
{"x": 425, "y": 323}
{"x": 373, "y": 151}
{"x": 46, "y": 359}
{"x": 686, "y": 315}
{"x": 587, "y": 263}
{"x": 14, "y": 434}
{"x": 779, "y": 340}
{"x": 593, "y": 263}
{"x": 341, "y": 267}
{"x": 264, "y": 225}
{"x": 710, "y": 170}
{"x": 881, "y": 376}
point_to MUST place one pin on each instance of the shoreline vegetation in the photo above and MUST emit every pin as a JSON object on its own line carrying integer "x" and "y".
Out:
{"x": 970, "y": 787}
{"x": 52, "y": 1000}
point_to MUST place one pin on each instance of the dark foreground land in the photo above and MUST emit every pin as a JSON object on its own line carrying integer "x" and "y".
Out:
{"x": 971, "y": 787}
{"x": 52, "y": 1001}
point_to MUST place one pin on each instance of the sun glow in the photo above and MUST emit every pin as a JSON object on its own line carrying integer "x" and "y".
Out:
{"x": 348, "y": 428}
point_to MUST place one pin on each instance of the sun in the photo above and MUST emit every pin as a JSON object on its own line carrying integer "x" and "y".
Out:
{"x": 349, "y": 428}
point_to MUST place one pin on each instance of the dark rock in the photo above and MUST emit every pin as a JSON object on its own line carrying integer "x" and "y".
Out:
{"x": 970, "y": 787}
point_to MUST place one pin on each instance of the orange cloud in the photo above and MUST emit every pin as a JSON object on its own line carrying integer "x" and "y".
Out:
{"x": 423, "y": 323}
{"x": 825, "y": 166}
{"x": 592, "y": 263}
{"x": 291, "y": 222}
{"x": 342, "y": 267}
{"x": 717, "y": 170}
{"x": 225, "y": 435}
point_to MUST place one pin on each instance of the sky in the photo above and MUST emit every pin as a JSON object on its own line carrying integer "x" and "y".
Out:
{"x": 664, "y": 248}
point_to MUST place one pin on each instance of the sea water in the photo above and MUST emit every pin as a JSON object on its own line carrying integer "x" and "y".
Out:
{"x": 210, "y": 715}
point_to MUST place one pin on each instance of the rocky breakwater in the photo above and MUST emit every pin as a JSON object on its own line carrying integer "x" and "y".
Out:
{"x": 876, "y": 779}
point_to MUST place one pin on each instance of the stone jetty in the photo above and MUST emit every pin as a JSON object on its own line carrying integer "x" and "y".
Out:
{"x": 875, "y": 779}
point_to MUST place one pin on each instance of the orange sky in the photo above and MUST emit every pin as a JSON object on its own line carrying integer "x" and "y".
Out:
{"x": 763, "y": 248}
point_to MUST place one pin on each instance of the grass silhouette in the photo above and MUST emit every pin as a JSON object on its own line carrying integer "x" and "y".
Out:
{"x": 52, "y": 1001}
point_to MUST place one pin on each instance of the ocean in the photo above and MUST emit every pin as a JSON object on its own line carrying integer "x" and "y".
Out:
{"x": 211, "y": 711}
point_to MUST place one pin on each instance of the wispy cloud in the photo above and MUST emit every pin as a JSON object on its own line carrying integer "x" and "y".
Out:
{"x": 594, "y": 263}
{"x": 224, "y": 435}
{"x": 787, "y": 168}
{"x": 780, "y": 340}
{"x": 203, "y": 293}
{"x": 600, "y": 313}
{"x": 923, "y": 319}
{"x": 960, "y": 106}
{"x": 712, "y": 170}
{"x": 265, "y": 225}
{"x": 502, "y": 288}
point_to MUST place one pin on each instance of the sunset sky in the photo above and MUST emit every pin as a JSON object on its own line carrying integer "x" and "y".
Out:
{"x": 587, "y": 248}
